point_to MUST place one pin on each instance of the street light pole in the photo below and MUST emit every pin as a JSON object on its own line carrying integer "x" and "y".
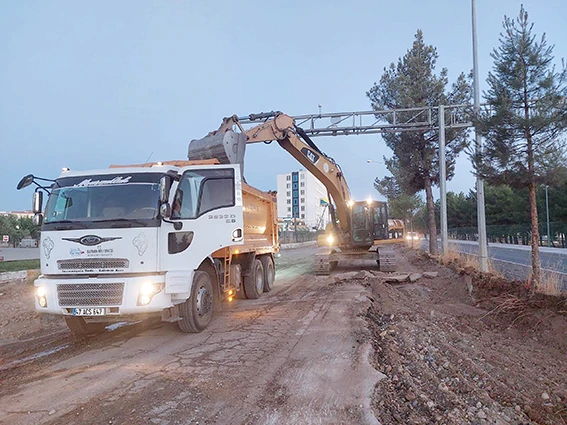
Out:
{"x": 482, "y": 240}
{"x": 547, "y": 214}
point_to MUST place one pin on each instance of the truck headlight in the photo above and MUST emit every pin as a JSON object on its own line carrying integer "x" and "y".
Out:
{"x": 146, "y": 292}
{"x": 40, "y": 293}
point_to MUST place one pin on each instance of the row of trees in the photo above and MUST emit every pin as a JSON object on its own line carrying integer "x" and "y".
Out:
{"x": 504, "y": 205}
{"x": 17, "y": 228}
{"x": 523, "y": 147}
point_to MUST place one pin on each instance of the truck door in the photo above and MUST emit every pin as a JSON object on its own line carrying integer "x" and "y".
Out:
{"x": 207, "y": 202}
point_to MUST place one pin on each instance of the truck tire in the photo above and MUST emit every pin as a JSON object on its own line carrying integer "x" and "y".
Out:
{"x": 269, "y": 272}
{"x": 197, "y": 311}
{"x": 80, "y": 327}
{"x": 254, "y": 282}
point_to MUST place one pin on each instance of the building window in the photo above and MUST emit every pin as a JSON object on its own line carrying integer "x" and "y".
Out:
{"x": 288, "y": 193}
{"x": 295, "y": 201}
{"x": 302, "y": 184}
{"x": 303, "y": 208}
{"x": 302, "y": 215}
{"x": 287, "y": 186}
{"x": 302, "y": 200}
{"x": 288, "y": 209}
{"x": 302, "y": 177}
{"x": 295, "y": 186}
{"x": 294, "y": 177}
{"x": 302, "y": 192}
{"x": 289, "y": 201}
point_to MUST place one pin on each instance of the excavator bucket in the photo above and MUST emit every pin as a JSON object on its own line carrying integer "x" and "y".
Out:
{"x": 228, "y": 147}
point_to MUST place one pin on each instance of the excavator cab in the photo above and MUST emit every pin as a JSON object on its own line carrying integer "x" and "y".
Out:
{"x": 369, "y": 222}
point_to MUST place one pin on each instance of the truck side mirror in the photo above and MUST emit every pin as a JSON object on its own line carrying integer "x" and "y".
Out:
{"x": 164, "y": 189}
{"x": 37, "y": 202}
{"x": 26, "y": 181}
{"x": 165, "y": 210}
{"x": 37, "y": 219}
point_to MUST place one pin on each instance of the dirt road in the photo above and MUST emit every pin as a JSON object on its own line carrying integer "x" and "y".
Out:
{"x": 344, "y": 349}
{"x": 296, "y": 355}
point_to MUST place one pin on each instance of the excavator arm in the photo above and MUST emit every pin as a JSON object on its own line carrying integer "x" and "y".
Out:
{"x": 281, "y": 128}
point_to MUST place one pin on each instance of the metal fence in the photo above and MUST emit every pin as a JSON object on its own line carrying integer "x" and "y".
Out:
{"x": 517, "y": 234}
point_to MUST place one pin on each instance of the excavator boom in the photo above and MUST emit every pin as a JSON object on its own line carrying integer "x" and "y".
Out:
{"x": 282, "y": 129}
{"x": 357, "y": 225}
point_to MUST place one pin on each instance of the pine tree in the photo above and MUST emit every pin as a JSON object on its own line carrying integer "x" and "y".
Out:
{"x": 412, "y": 83}
{"x": 527, "y": 114}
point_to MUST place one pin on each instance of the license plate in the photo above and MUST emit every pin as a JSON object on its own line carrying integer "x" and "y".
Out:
{"x": 88, "y": 312}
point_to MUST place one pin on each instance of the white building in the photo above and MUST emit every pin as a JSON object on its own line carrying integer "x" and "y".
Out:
{"x": 302, "y": 196}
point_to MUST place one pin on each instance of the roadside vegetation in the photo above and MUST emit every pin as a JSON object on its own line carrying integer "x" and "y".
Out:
{"x": 18, "y": 265}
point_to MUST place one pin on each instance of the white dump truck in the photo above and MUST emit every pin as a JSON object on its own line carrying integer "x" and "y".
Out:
{"x": 175, "y": 238}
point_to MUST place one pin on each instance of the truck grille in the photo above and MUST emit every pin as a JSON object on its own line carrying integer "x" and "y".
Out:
{"x": 93, "y": 264}
{"x": 87, "y": 294}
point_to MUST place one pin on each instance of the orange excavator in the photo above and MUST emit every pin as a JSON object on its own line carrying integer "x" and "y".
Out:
{"x": 357, "y": 228}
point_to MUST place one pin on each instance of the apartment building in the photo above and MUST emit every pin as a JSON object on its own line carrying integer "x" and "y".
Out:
{"x": 300, "y": 195}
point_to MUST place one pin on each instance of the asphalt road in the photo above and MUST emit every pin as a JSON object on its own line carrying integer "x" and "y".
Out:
{"x": 515, "y": 260}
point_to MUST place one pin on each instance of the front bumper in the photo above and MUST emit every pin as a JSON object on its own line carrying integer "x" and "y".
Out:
{"x": 118, "y": 296}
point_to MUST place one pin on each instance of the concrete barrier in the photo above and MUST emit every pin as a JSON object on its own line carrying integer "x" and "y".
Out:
{"x": 8, "y": 277}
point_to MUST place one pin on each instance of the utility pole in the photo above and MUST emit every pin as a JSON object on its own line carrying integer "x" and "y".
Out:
{"x": 482, "y": 240}
{"x": 443, "y": 181}
{"x": 547, "y": 214}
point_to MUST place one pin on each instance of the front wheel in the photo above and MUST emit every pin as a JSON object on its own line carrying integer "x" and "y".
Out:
{"x": 197, "y": 311}
{"x": 80, "y": 327}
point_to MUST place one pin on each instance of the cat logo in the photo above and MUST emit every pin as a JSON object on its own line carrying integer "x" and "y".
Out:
{"x": 310, "y": 155}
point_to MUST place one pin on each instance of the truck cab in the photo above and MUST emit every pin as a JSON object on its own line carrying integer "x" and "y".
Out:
{"x": 128, "y": 242}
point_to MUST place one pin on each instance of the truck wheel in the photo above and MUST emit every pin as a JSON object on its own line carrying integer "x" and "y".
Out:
{"x": 269, "y": 272}
{"x": 254, "y": 282}
{"x": 80, "y": 327}
{"x": 197, "y": 311}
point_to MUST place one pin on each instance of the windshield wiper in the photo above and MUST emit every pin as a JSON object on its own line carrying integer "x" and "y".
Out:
{"x": 73, "y": 222}
{"x": 122, "y": 222}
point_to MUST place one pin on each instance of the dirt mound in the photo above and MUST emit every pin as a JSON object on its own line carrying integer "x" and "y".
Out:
{"x": 451, "y": 359}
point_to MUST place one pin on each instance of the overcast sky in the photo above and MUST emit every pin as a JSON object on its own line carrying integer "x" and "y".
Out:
{"x": 88, "y": 84}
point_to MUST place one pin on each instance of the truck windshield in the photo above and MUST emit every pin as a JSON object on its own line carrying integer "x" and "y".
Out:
{"x": 137, "y": 203}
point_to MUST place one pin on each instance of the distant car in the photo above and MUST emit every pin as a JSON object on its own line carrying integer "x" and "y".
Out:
{"x": 412, "y": 236}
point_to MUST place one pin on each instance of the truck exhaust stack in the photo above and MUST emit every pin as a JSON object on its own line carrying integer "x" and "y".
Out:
{"x": 228, "y": 147}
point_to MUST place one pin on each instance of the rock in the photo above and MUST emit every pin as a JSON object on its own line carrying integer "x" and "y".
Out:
{"x": 545, "y": 396}
{"x": 481, "y": 415}
{"x": 410, "y": 396}
{"x": 478, "y": 405}
{"x": 430, "y": 275}
{"x": 414, "y": 277}
{"x": 51, "y": 412}
{"x": 517, "y": 408}
{"x": 443, "y": 387}
{"x": 397, "y": 278}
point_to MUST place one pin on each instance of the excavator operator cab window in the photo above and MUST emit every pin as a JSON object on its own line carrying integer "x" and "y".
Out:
{"x": 380, "y": 223}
